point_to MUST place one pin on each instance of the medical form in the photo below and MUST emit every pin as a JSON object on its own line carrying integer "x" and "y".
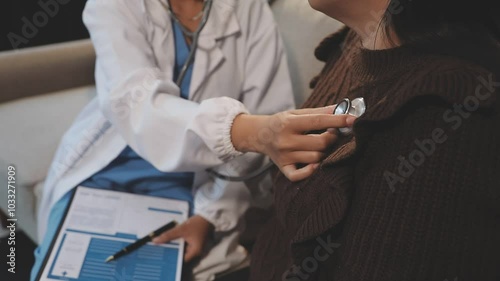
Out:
{"x": 98, "y": 223}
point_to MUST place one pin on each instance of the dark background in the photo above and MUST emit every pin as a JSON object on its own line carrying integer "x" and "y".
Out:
{"x": 63, "y": 25}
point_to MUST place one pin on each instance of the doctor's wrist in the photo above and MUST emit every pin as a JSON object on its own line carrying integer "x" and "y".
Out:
{"x": 245, "y": 130}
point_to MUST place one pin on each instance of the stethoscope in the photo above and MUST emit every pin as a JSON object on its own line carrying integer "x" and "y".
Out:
{"x": 207, "y": 7}
{"x": 355, "y": 107}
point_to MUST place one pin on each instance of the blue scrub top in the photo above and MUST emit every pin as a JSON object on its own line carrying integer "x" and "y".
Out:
{"x": 131, "y": 173}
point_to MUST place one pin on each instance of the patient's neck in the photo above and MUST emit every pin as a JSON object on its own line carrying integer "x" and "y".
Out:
{"x": 367, "y": 21}
{"x": 379, "y": 39}
{"x": 374, "y": 32}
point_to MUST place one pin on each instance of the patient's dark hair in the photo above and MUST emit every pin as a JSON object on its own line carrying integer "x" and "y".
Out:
{"x": 422, "y": 20}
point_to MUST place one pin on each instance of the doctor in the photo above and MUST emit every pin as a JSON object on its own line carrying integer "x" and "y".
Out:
{"x": 144, "y": 134}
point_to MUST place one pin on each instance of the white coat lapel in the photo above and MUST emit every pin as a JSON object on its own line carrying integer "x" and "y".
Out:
{"x": 160, "y": 34}
{"x": 221, "y": 23}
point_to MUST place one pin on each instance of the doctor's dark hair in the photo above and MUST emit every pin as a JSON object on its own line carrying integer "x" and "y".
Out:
{"x": 423, "y": 20}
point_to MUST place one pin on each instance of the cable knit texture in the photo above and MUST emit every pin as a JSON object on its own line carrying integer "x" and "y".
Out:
{"x": 413, "y": 193}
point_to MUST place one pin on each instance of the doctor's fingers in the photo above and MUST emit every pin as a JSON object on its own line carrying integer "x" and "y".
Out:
{"x": 169, "y": 235}
{"x": 294, "y": 174}
{"x": 193, "y": 250}
{"x": 311, "y": 142}
{"x": 317, "y": 110}
{"x": 315, "y": 122}
{"x": 302, "y": 157}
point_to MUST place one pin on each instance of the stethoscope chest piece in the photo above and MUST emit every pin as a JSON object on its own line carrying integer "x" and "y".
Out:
{"x": 356, "y": 107}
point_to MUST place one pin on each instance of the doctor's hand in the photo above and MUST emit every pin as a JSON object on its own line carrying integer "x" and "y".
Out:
{"x": 285, "y": 139}
{"x": 194, "y": 231}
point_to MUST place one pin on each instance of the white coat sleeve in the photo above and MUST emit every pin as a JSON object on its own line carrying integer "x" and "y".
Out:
{"x": 143, "y": 104}
{"x": 267, "y": 89}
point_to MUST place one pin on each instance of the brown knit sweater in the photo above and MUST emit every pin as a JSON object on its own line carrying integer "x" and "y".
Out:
{"x": 414, "y": 193}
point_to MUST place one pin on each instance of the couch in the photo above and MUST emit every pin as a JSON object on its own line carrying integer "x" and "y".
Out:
{"x": 44, "y": 88}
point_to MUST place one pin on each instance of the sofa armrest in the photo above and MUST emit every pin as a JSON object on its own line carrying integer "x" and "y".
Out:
{"x": 46, "y": 69}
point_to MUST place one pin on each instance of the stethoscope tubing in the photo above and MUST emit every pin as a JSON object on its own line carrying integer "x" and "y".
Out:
{"x": 207, "y": 8}
{"x": 249, "y": 176}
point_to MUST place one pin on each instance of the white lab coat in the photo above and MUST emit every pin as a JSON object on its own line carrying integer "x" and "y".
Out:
{"x": 239, "y": 67}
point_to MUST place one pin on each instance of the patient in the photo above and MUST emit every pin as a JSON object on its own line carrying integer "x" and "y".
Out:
{"x": 413, "y": 193}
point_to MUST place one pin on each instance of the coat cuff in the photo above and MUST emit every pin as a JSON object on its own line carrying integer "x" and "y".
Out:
{"x": 222, "y": 145}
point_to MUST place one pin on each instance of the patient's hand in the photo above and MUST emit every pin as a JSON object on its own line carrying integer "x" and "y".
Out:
{"x": 195, "y": 231}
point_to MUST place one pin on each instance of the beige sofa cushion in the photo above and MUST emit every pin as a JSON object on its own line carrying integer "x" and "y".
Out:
{"x": 31, "y": 130}
{"x": 302, "y": 29}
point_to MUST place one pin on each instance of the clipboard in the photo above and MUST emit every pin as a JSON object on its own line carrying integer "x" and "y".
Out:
{"x": 97, "y": 223}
